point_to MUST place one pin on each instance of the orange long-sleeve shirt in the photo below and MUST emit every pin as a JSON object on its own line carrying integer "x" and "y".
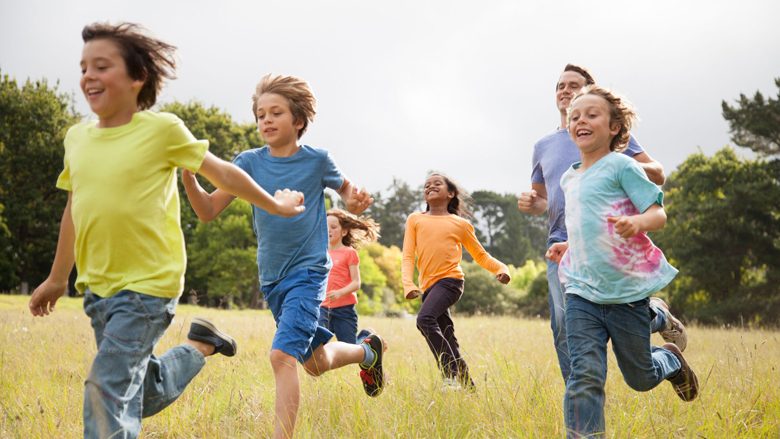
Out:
{"x": 437, "y": 242}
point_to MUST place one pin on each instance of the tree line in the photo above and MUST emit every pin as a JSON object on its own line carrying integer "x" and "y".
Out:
{"x": 723, "y": 232}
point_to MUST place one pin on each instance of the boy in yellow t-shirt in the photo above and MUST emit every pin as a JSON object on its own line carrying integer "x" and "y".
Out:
{"x": 121, "y": 225}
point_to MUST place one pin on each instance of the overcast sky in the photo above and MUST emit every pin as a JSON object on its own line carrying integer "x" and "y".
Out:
{"x": 464, "y": 87}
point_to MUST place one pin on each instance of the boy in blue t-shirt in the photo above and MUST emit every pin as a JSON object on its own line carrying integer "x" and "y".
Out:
{"x": 292, "y": 253}
{"x": 610, "y": 267}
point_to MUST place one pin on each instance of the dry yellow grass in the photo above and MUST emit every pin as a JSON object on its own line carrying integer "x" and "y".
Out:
{"x": 44, "y": 361}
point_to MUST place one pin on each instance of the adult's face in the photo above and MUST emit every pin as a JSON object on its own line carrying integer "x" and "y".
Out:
{"x": 569, "y": 84}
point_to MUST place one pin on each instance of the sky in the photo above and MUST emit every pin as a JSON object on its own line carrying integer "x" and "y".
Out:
{"x": 461, "y": 87}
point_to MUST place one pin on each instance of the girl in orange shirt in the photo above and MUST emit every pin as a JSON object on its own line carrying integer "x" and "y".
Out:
{"x": 345, "y": 233}
{"x": 436, "y": 238}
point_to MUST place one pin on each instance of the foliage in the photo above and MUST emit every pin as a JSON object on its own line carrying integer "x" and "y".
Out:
{"x": 373, "y": 285}
{"x": 755, "y": 123}
{"x": 483, "y": 294}
{"x": 723, "y": 235}
{"x": 33, "y": 122}
{"x": 390, "y": 210}
{"x": 222, "y": 257}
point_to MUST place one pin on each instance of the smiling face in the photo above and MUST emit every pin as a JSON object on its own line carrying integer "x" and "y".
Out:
{"x": 589, "y": 124}
{"x": 275, "y": 121}
{"x": 111, "y": 93}
{"x": 335, "y": 232}
{"x": 436, "y": 191}
{"x": 569, "y": 84}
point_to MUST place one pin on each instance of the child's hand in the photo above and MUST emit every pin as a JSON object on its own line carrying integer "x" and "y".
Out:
{"x": 556, "y": 251}
{"x": 45, "y": 297}
{"x": 525, "y": 202}
{"x": 358, "y": 200}
{"x": 187, "y": 175}
{"x": 503, "y": 278}
{"x": 413, "y": 294}
{"x": 625, "y": 226}
{"x": 289, "y": 203}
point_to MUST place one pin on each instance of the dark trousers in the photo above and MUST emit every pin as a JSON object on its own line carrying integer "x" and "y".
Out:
{"x": 435, "y": 324}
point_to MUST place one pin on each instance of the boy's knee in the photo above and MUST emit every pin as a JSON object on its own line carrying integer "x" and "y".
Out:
{"x": 281, "y": 360}
{"x": 313, "y": 366}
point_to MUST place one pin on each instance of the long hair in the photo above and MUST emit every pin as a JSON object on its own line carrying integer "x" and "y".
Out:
{"x": 620, "y": 111}
{"x": 147, "y": 59}
{"x": 360, "y": 229}
{"x": 460, "y": 204}
{"x": 297, "y": 92}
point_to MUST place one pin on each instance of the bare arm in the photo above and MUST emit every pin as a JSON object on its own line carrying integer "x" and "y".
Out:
{"x": 533, "y": 201}
{"x": 653, "y": 169}
{"x": 207, "y": 206}
{"x": 654, "y": 218}
{"x": 354, "y": 285}
{"x": 355, "y": 200}
{"x": 46, "y": 295}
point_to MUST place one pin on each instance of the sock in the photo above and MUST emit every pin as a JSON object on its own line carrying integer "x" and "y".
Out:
{"x": 368, "y": 360}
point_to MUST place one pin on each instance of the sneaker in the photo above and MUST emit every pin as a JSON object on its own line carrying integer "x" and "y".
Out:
{"x": 373, "y": 377}
{"x": 674, "y": 332}
{"x": 685, "y": 382}
{"x": 204, "y": 331}
{"x": 363, "y": 334}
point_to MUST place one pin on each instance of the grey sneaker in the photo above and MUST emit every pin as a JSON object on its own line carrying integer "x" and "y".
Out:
{"x": 685, "y": 382}
{"x": 204, "y": 331}
{"x": 675, "y": 330}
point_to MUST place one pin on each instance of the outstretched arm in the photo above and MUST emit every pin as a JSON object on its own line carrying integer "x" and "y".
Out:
{"x": 653, "y": 169}
{"x": 483, "y": 258}
{"x": 533, "y": 201}
{"x": 46, "y": 295}
{"x": 356, "y": 200}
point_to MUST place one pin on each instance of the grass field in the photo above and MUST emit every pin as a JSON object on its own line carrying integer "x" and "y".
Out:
{"x": 44, "y": 361}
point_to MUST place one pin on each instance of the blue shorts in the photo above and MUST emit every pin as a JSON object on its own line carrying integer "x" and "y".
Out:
{"x": 295, "y": 304}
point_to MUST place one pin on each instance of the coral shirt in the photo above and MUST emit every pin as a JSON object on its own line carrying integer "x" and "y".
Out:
{"x": 437, "y": 242}
{"x": 339, "y": 277}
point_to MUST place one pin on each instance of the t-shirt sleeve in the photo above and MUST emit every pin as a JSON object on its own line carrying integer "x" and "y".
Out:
{"x": 331, "y": 175}
{"x": 480, "y": 255}
{"x": 407, "y": 260}
{"x": 537, "y": 176}
{"x": 642, "y": 192}
{"x": 353, "y": 258}
{"x": 633, "y": 147}
{"x": 183, "y": 149}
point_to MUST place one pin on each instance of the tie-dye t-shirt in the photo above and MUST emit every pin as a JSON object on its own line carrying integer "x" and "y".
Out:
{"x": 600, "y": 266}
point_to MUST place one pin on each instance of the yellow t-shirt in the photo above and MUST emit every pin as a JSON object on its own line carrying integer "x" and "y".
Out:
{"x": 437, "y": 242}
{"x": 125, "y": 203}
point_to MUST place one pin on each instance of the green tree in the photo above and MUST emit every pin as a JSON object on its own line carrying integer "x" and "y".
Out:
{"x": 391, "y": 209}
{"x": 34, "y": 118}
{"x": 723, "y": 236}
{"x": 483, "y": 294}
{"x": 755, "y": 123}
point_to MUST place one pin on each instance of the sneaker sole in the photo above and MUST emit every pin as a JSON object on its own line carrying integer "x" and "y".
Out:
{"x": 228, "y": 339}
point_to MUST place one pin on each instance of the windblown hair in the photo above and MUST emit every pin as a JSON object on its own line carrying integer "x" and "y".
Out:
{"x": 582, "y": 71}
{"x": 360, "y": 229}
{"x": 460, "y": 204}
{"x": 297, "y": 92}
{"x": 146, "y": 58}
{"x": 620, "y": 111}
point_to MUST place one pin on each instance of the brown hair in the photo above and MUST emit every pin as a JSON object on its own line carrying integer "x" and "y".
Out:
{"x": 460, "y": 204}
{"x": 146, "y": 58}
{"x": 582, "y": 71}
{"x": 620, "y": 111}
{"x": 297, "y": 92}
{"x": 360, "y": 229}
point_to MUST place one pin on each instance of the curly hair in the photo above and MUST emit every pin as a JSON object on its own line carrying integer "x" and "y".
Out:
{"x": 297, "y": 92}
{"x": 460, "y": 204}
{"x": 360, "y": 229}
{"x": 146, "y": 58}
{"x": 620, "y": 111}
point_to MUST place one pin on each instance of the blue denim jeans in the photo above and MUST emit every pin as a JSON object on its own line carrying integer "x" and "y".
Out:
{"x": 589, "y": 326}
{"x": 342, "y": 321}
{"x": 126, "y": 381}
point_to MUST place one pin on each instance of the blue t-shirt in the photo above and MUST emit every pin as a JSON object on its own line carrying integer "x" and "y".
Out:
{"x": 600, "y": 265}
{"x": 553, "y": 155}
{"x": 284, "y": 244}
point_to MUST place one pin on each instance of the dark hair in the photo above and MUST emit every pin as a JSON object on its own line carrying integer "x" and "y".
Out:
{"x": 360, "y": 229}
{"x": 460, "y": 204}
{"x": 146, "y": 58}
{"x": 299, "y": 97}
{"x": 582, "y": 71}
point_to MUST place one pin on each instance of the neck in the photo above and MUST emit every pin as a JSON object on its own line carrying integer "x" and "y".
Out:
{"x": 285, "y": 150}
{"x": 591, "y": 157}
{"x": 563, "y": 119}
{"x": 335, "y": 246}
{"x": 438, "y": 209}
{"x": 117, "y": 119}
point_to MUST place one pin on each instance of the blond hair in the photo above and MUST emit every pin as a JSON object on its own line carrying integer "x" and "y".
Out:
{"x": 620, "y": 111}
{"x": 360, "y": 229}
{"x": 297, "y": 92}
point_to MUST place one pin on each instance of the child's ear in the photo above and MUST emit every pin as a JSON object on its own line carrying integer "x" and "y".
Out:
{"x": 614, "y": 128}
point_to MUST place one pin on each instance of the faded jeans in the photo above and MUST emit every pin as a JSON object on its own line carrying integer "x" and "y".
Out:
{"x": 589, "y": 327}
{"x": 127, "y": 382}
